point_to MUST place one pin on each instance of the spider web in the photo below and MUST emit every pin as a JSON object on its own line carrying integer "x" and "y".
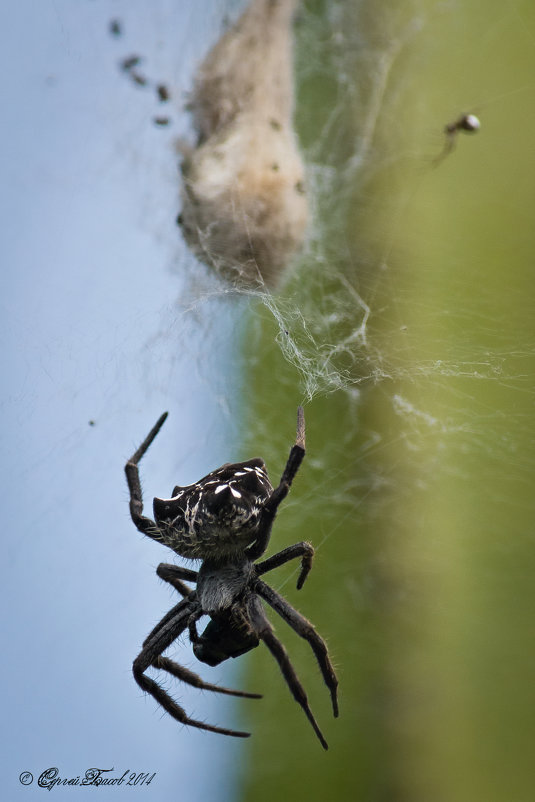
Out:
{"x": 356, "y": 309}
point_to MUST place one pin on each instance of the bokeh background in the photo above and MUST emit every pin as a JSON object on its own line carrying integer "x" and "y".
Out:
{"x": 406, "y": 330}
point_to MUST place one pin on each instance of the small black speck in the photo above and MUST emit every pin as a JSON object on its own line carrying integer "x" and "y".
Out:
{"x": 138, "y": 79}
{"x": 115, "y": 27}
{"x": 161, "y": 121}
{"x": 129, "y": 62}
{"x": 163, "y": 93}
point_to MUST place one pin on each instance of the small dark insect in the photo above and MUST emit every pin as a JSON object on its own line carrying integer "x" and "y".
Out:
{"x": 130, "y": 62}
{"x": 468, "y": 123}
{"x": 161, "y": 121}
{"x": 163, "y": 93}
{"x": 225, "y": 520}
{"x": 115, "y": 27}
{"x": 137, "y": 78}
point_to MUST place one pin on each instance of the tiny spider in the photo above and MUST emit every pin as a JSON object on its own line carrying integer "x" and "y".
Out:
{"x": 225, "y": 520}
{"x": 468, "y": 123}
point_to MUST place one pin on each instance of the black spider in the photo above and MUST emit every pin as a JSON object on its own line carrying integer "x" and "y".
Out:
{"x": 224, "y": 520}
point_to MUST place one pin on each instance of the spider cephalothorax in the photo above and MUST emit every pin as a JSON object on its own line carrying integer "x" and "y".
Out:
{"x": 225, "y": 520}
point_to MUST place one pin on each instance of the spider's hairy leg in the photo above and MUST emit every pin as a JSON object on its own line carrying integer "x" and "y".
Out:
{"x": 144, "y": 524}
{"x": 164, "y": 635}
{"x": 174, "y": 574}
{"x": 143, "y": 448}
{"x": 305, "y": 629}
{"x": 269, "y": 511}
{"x": 265, "y": 632}
{"x": 165, "y": 620}
{"x": 304, "y": 550}
{"x": 295, "y": 458}
{"x": 184, "y": 674}
{"x": 192, "y": 625}
{"x": 180, "y": 672}
{"x": 170, "y": 573}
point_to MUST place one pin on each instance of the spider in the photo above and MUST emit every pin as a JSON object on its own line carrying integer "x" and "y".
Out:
{"x": 225, "y": 520}
{"x": 468, "y": 123}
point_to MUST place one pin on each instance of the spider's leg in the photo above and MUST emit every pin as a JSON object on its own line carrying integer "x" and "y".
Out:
{"x": 303, "y": 550}
{"x": 449, "y": 145}
{"x": 144, "y": 524}
{"x": 271, "y": 506}
{"x": 163, "y": 637}
{"x": 295, "y": 459}
{"x": 173, "y": 612}
{"x": 184, "y": 674}
{"x": 174, "y": 574}
{"x": 170, "y": 573}
{"x": 192, "y": 625}
{"x": 179, "y": 671}
{"x": 265, "y": 632}
{"x": 305, "y": 629}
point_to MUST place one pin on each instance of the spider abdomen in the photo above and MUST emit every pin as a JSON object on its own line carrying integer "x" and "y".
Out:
{"x": 218, "y": 515}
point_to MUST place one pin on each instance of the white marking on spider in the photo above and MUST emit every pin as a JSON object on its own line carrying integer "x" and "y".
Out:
{"x": 190, "y": 514}
{"x": 235, "y": 493}
{"x": 220, "y": 488}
